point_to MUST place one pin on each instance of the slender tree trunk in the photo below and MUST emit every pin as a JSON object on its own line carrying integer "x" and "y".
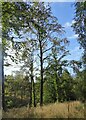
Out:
{"x": 3, "y": 96}
{"x": 32, "y": 83}
{"x": 30, "y": 104}
{"x": 41, "y": 72}
{"x": 57, "y": 87}
{"x": 32, "y": 89}
{"x": 34, "y": 102}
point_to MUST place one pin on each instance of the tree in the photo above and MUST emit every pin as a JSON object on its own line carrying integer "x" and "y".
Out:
{"x": 79, "y": 25}
{"x": 47, "y": 28}
{"x": 27, "y": 56}
{"x": 76, "y": 65}
{"x": 56, "y": 64}
{"x": 80, "y": 28}
{"x": 38, "y": 20}
{"x": 50, "y": 93}
{"x": 80, "y": 86}
{"x": 17, "y": 90}
{"x": 67, "y": 86}
{"x": 11, "y": 24}
{"x": 16, "y": 16}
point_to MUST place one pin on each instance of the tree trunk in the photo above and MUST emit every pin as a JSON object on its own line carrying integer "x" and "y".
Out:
{"x": 32, "y": 83}
{"x": 30, "y": 104}
{"x": 41, "y": 72}
{"x": 32, "y": 87}
{"x": 34, "y": 102}
{"x": 57, "y": 88}
{"x": 3, "y": 96}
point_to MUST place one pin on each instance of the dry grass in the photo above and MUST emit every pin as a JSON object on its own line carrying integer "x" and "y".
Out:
{"x": 56, "y": 110}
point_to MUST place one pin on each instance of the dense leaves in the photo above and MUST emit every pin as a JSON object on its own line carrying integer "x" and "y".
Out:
{"x": 17, "y": 89}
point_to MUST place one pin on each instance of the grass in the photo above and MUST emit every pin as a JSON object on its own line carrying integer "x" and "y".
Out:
{"x": 55, "y": 110}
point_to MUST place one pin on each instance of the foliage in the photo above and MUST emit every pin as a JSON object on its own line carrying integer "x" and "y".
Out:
{"x": 33, "y": 32}
{"x": 49, "y": 91}
{"x": 16, "y": 91}
{"x": 81, "y": 86}
{"x": 67, "y": 87}
{"x": 80, "y": 24}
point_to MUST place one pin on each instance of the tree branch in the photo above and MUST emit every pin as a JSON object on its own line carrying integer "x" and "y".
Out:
{"x": 62, "y": 56}
{"x": 45, "y": 58}
{"x": 47, "y": 49}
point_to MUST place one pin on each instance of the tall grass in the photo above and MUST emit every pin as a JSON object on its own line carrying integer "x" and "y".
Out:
{"x": 56, "y": 110}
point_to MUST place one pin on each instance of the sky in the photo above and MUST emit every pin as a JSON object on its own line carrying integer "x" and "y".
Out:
{"x": 64, "y": 11}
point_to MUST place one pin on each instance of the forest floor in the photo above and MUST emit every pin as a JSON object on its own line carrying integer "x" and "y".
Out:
{"x": 54, "y": 110}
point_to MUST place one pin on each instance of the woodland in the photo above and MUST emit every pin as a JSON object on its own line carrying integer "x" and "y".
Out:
{"x": 33, "y": 38}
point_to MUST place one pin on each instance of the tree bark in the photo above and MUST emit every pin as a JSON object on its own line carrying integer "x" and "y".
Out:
{"x": 3, "y": 96}
{"x": 30, "y": 104}
{"x": 32, "y": 87}
{"x": 41, "y": 72}
{"x": 34, "y": 102}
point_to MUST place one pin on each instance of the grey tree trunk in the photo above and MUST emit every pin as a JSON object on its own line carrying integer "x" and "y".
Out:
{"x": 3, "y": 96}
